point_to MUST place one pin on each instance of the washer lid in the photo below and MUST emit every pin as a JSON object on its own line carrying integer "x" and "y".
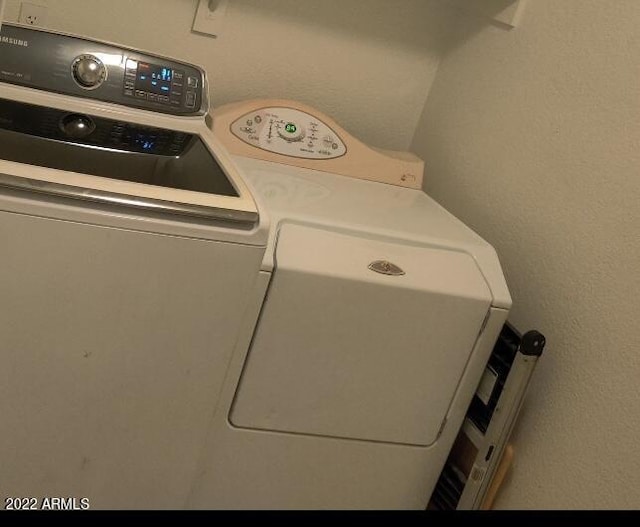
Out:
{"x": 153, "y": 159}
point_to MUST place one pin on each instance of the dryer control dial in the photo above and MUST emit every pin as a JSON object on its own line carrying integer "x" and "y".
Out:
{"x": 292, "y": 132}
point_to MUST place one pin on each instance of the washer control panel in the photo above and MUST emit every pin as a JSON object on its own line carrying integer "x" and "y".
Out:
{"x": 84, "y": 68}
{"x": 161, "y": 84}
{"x": 289, "y": 132}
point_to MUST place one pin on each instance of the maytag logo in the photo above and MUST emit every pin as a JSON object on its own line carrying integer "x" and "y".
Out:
{"x": 14, "y": 41}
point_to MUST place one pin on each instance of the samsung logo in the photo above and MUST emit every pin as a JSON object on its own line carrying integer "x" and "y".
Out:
{"x": 14, "y": 41}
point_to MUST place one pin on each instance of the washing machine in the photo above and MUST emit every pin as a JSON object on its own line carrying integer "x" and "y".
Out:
{"x": 131, "y": 249}
{"x": 372, "y": 322}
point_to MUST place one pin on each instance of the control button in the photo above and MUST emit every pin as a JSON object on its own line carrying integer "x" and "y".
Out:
{"x": 128, "y": 92}
{"x": 258, "y": 119}
{"x": 192, "y": 82}
{"x": 191, "y": 99}
{"x": 178, "y": 75}
{"x": 163, "y": 98}
{"x": 141, "y": 94}
{"x": 89, "y": 71}
{"x": 153, "y": 97}
{"x": 328, "y": 141}
{"x": 249, "y": 122}
{"x": 335, "y": 146}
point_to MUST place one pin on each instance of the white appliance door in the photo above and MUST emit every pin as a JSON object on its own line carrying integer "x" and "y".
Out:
{"x": 343, "y": 351}
{"x": 113, "y": 346}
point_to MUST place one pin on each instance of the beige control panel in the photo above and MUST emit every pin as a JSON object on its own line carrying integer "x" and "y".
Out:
{"x": 292, "y": 133}
{"x": 289, "y": 132}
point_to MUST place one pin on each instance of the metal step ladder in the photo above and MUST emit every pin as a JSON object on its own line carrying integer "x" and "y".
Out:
{"x": 475, "y": 458}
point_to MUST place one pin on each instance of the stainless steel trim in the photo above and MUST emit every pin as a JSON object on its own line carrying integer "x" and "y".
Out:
{"x": 205, "y": 105}
{"x": 241, "y": 218}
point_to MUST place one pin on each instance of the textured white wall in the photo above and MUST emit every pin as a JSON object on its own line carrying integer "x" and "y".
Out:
{"x": 532, "y": 137}
{"x": 367, "y": 63}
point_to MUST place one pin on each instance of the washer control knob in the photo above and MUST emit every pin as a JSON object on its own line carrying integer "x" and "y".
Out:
{"x": 89, "y": 71}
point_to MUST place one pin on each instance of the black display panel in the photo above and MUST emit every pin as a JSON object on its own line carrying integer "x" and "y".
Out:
{"x": 154, "y": 79}
{"x": 118, "y": 150}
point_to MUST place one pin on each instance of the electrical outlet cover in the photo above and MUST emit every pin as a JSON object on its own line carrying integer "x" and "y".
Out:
{"x": 33, "y": 14}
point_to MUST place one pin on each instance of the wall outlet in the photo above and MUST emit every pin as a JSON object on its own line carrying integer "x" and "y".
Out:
{"x": 33, "y": 14}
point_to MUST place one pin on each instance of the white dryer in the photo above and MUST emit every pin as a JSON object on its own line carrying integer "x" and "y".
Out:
{"x": 375, "y": 314}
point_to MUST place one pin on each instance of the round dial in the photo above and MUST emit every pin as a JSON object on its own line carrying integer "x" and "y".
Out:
{"x": 89, "y": 71}
{"x": 291, "y": 132}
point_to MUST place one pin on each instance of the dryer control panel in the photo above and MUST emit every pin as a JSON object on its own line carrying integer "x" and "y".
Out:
{"x": 289, "y": 132}
{"x": 293, "y": 133}
{"x": 85, "y": 68}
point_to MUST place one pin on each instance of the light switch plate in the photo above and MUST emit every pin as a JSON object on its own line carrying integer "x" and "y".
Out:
{"x": 210, "y": 17}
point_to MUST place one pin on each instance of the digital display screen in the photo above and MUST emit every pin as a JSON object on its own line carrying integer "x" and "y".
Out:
{"x": 154, "y": 79}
